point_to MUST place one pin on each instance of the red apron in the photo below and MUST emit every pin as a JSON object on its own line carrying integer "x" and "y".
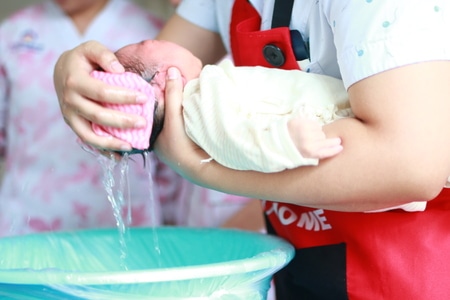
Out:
{"x": 388, "y": 255}
{"x": 252, "y": 47}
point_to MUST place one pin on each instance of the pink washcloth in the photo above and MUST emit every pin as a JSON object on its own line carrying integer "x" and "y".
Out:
{"x": 139, "y": 138}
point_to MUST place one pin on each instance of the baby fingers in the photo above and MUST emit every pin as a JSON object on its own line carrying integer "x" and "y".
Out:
{"x": 328, "y": 148}
{"x": 310, "y": 139}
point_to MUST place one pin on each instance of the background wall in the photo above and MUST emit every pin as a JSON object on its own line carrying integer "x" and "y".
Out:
{"x": 161, "y": 8}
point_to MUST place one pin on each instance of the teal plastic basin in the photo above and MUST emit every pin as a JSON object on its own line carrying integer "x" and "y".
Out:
{"x": 156, "y": 263}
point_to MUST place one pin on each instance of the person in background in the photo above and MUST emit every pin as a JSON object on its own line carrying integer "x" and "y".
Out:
{"x": 50, "y": 183}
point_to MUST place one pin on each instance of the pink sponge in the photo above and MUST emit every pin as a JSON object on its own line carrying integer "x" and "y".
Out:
{"x": 139, "y": 138}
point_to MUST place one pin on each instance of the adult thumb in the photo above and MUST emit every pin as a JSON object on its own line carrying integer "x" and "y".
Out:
{"x": 173, "y": 92}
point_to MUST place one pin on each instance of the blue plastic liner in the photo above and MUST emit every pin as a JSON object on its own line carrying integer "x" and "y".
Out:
{"x": 152, "y": 263}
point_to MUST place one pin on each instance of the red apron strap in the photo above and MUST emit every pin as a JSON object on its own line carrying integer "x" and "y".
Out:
{"x": 252, "y": 47}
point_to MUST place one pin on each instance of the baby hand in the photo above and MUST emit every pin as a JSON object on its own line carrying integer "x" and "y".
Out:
{"x": 310, "y": 140}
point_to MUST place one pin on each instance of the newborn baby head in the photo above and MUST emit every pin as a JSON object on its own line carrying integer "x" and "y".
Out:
{"x": 152, "y": 58}
{"x": 146, "y": 64}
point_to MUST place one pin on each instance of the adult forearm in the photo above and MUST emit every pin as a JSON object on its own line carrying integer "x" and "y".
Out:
{"x": 367, "y": 175}
{"x": 204, "y": 44}
{"x": 394, "y": 150}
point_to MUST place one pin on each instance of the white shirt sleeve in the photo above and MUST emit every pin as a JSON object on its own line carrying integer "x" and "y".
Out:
{"x": 374, "y": 36}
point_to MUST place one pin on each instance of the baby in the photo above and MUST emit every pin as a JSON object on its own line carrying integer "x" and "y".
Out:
{"x": 237, "y": 115}
{"x": 245, "y": 118}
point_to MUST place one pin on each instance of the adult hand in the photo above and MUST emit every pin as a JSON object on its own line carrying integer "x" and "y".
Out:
{"x": 173, "y": 146}
{"x": 80, "y": 96}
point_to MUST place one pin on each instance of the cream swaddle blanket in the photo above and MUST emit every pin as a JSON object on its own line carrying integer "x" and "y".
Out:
{"x": 239, "y": 115}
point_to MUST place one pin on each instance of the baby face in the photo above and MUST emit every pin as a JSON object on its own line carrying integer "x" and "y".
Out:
{"x": 151, "y": 59}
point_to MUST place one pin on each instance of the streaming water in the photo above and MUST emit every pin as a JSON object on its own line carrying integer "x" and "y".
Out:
{"x": 153, "y": 204}
{"x": 118, "y": 194}
{"x": 116, "y": 197}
